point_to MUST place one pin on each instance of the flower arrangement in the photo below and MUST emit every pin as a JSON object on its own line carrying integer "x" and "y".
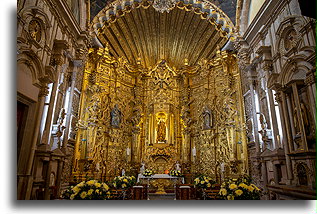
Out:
{"x": 239, "y": 189}
{"x": 67, "y": 192}
{"x": 90, "y": 190}
{"x": 148, "y": 172}
{"x": 175, "y": 173}
{"x": 204, "y": 182}
{"x": 123, "y": 182}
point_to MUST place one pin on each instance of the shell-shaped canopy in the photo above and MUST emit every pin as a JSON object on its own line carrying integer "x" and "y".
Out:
{"x": 191, "y": 30}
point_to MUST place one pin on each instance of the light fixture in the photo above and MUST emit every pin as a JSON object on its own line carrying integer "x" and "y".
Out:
{"x": 164, "y": 5}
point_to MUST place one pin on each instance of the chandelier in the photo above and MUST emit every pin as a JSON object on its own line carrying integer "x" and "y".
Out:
{"x": 164, "y": 5}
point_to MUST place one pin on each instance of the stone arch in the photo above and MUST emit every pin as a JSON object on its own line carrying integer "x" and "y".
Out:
{"x": 289, "y": 31}
{"x": 296, "y": 67}
{"x": 302, "y": 173}
{"x": 34, "y": 64}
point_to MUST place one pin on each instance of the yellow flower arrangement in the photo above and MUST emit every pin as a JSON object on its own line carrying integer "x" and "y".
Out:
{"x": 123, "y": 182}
{"x": 105, "y": 186}
{"x": 230, "y": 197}
{"x": 90, "y": 192}
{"x": 203, "y": 182}
{"x": 72, "y": 197}
{"x": 233, "y": 186}
{"x": 238, "y": 192}
{"x": 239, "y": 189}
{"x": 76, "y": 189}
{"x": 81, "y": 184}
{"x": 250, "y": 188}
{"x": 223, "y": 191}
{"x": 83, "y": 194}
{"x": 243, "y": 185}
{"x": 91, "y": 182}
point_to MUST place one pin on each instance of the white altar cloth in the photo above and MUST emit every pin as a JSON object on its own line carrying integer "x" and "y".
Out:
{"x": 157, "y": 176}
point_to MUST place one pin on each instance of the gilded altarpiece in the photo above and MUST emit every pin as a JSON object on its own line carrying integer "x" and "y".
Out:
{"x": 158, "y": 116}
{"x": 217, "y": 119}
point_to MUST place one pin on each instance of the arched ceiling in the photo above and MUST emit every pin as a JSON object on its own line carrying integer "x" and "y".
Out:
{"x": 137, "y": 32}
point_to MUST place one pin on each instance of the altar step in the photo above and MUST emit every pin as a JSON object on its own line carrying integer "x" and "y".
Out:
{"x": 167, "y": 196}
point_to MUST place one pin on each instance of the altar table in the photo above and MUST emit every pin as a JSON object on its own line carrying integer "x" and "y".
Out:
{"x": 161, "y": 181}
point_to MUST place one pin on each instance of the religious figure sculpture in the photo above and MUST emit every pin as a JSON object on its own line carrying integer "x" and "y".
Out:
{"x": 177, "y": 166}
{"x": 185, "y": 115}
{"x": 305, "y": 117}
{"x": 161, "y": 132}
{"x": 207, "y": 119}
{"x": 35, "y": 30}
{"x": 136, "y": 117}
{"x": 115, "y": 117}
{"x": 97, "y": 167}
{"x": 142, "y": 169}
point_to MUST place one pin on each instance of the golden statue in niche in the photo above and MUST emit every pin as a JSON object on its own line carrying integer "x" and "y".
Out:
{"x": 161, "y": 128}
{"x": 35, "y": 30}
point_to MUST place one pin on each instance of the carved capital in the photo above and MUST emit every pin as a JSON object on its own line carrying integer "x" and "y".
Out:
{"x": 278, "y": 97}
{"x": 43, "y": 91}
{"x": 56, "y": 59}
{"x": 310, "y": 78}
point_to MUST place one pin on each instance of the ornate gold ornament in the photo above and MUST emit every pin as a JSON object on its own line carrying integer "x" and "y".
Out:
{"x": 164, "y": 5}
{"x": 163, "y": 115}
{"x": 35, "y": 30}
{"x": 158, "y": 100}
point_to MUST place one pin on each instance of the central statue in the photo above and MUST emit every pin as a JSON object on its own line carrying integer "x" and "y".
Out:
{"x": 161, "y": 132}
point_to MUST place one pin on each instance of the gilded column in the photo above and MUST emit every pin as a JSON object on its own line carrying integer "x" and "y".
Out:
{"x": 242, "y": 120}
{"x": 81, "y": 122}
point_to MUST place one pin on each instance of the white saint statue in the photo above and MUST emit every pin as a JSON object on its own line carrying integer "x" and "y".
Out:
{"x": 97, "y": 167}
{"x": 222, "y": 167}
{"x": 194, "y": 151}
{"x": 128, "y": 151}
{"x": 142, "y": 169}
{"x": 122, "y": 172}
{"x": 178, "y": 168}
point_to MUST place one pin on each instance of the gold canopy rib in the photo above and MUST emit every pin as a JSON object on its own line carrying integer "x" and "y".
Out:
{"x": 147, "y": 35}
